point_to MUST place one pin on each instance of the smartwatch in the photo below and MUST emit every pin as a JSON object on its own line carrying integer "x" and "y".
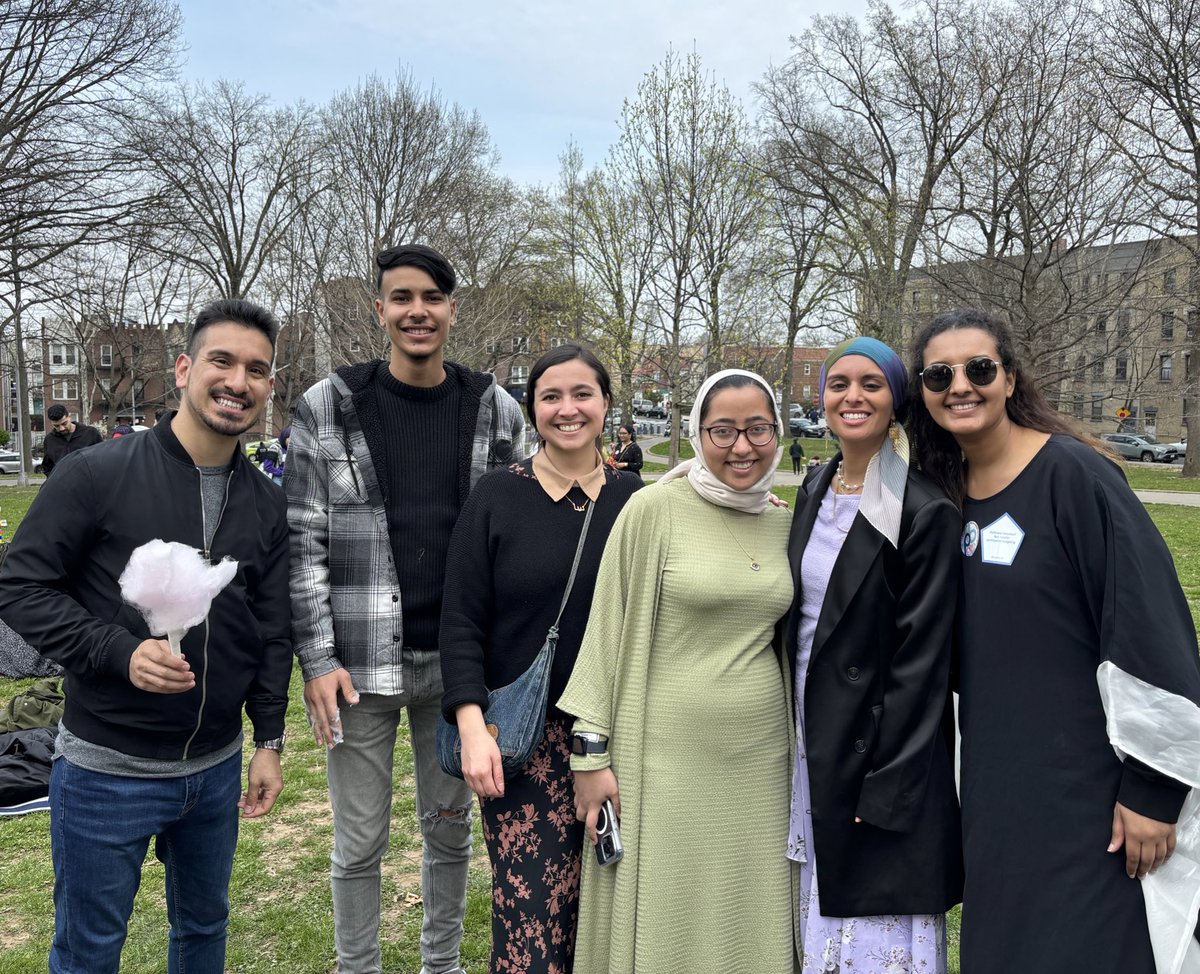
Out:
{"x": 588, "y": 742}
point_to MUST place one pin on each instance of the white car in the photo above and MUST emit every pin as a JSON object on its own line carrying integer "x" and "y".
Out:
{"x": 10, "y": 462}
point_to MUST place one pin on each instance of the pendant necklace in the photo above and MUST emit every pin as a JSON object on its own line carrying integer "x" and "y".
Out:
{"x": 754, "y": 565}
{"x": 841, "y": 487}
{"x": 579, "y": 507}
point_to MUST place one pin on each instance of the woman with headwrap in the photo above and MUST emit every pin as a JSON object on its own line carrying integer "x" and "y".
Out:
{"x": 682, "y": 710}
{"x": 874, "y": 817}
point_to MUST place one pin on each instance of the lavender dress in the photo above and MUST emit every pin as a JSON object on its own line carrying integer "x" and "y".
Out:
{"x": 862, "y": 945}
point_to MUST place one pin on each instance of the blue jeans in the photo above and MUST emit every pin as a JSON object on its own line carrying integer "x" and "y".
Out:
{"x": 100, "y": 829}
{"x": 360, "y": 790}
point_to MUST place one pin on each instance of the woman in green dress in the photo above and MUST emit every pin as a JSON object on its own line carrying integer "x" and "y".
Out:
{"x": 682, "y": 712}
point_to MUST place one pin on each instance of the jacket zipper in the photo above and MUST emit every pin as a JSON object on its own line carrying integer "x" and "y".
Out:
{"x": 207, "y": 632}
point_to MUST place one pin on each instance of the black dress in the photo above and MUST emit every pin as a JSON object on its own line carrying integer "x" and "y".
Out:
{"x": 1063, "y": 569}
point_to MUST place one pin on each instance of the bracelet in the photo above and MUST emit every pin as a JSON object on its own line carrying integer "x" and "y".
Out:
{"x": 275, "y": 744}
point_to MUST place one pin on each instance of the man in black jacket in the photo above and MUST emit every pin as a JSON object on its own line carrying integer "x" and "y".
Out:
{"x": 150, "y": 743}
{"x": 65, "y": 436}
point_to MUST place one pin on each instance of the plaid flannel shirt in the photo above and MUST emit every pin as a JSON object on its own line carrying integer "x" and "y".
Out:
{"x": 347, "y": 609}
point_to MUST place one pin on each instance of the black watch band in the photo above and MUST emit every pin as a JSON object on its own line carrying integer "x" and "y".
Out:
{"x": 588, "y": 742}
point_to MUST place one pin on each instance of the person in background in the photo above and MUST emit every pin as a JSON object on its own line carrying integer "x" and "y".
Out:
{"x": 382, "y": 456}
{"x": 1078, "y": 678}
{"x": 65, "y": 437}
{"x": 509, "y": 561}
{"x": 682, "y": 689}
{"x": 874, "y": 815}
{"x": 628, "y": 455}
{"x": 150, "y": 744}
{"x": 796, "y": 452}
{"x": 273, "y": 464}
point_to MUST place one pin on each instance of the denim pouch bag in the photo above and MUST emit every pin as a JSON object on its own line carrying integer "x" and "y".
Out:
{"x": 515, "y": 713}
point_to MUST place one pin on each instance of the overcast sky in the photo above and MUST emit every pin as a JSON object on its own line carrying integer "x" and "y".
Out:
{"x": 538, "y": 72}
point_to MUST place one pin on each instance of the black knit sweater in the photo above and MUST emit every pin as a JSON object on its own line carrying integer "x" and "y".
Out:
{"x": 509, "y": 560}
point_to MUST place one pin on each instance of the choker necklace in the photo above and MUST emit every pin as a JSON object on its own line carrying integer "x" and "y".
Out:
{"x": 754, "y": 565}
{"x": 843, "y": 487}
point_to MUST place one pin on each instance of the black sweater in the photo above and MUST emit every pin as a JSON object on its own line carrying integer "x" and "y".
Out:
{"x": 509, "y": 560}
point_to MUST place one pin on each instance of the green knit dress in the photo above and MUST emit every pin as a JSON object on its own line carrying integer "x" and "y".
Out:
{"x": 678, "y": 669}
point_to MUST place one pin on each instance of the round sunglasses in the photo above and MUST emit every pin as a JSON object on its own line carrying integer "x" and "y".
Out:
{"x": 980, "y": 371}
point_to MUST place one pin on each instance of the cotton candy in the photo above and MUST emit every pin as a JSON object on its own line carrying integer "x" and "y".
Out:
{"x": 173, "y": 586}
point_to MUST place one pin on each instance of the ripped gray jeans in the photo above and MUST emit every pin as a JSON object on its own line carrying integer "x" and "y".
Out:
{"x": 360, "y": 790}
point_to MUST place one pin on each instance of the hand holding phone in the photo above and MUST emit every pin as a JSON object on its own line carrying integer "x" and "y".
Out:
{"x": 608, "y": 837}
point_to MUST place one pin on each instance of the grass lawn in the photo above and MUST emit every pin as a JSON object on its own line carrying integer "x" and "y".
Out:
{"x": 281, "y": 911}
{"x": 1159, "y": 477}
{"x": 823, "y": 449}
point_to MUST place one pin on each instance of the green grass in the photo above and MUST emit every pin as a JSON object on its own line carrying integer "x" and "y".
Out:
{"x": 281, "y": 916}
{"x": 822, "y": 449}
{"x": 281, "y": 910}
{"x": 1159, "y": 477}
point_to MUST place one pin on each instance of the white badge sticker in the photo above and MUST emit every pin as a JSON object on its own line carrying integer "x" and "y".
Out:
{"x": 1000, "y": 541}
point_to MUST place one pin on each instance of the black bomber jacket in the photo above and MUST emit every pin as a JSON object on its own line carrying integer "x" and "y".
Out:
{"x": 59, "y": 590}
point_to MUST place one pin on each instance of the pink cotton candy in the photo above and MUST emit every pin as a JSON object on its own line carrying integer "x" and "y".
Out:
{"x": 173, "y": 585}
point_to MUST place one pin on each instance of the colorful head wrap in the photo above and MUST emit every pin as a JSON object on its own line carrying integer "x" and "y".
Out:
{"x": 881, "y": 355}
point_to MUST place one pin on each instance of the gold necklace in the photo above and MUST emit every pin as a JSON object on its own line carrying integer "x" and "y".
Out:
{"x": 579, "y": 507}
{"x": 754, "y": 565}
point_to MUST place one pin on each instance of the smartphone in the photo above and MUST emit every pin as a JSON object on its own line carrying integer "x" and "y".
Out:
{"x": 608, "y": 837}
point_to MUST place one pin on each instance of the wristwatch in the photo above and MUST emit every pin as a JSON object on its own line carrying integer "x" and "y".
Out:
{"x": 275, "y": 744}
{"x": 588, "y": 742}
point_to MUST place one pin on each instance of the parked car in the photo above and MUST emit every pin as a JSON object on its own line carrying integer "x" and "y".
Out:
{"x": 656, "y": 411}
{"x": 1144, "y": 448}
{"x": 799, "y": 426}
{"x": 641, "y": 407}
{"x": 1178, "y": 450}
{"x": 10, "y": 461}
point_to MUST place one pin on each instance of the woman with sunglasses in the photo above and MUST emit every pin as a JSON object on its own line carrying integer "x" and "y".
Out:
{"x": 874, "y": 815}
{"x": 682, "y": 715}
{"x": 1077, "y": 673}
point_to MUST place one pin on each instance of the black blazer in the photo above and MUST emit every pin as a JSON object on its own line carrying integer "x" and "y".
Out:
{"x": 879, "y": 727}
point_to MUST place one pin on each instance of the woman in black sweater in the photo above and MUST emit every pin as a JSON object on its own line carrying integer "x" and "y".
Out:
{"x": 507, "y": 568}
{"x": 628, "y": 456}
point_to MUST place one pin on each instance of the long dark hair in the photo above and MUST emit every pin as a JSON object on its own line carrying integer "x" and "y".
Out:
{"x": 935, "y": 450}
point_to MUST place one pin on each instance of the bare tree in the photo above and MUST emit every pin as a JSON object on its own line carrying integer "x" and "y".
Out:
{"x": 230, "y": 169}
{"x": 67, "y": 67}
{"x": 873, "y": 119}
{"x": 671, "y": 138}
{"x": 1151, "y": 57}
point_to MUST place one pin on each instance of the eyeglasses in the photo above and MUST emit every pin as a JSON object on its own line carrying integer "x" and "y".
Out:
{"x": 980, "y": 371}
{"x": 724, "y": 437}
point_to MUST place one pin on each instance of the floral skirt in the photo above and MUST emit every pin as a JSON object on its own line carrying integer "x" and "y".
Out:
{"x": 534, "y": 843}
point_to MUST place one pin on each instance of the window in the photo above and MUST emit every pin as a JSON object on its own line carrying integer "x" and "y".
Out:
{"x": 1123, "y": 319}
{"x": 1098, "y": 369}
{"x": 1101, "y": 324}
{"x": 64, "y": 389}
{"x": 1187, "y": 367}
{"x": 1085, "y": 283}
{"x": 1164, "y": 367}
{"x": 355, "y": 346}
{"x": 62, "y": 354}
{"x": 806, "y": 393}
{"x": 557, "y": 342}
{"x": 1077, "y": 405}
{"x": 1192, "y": 318}
{"x": 491, "y": 345}
{"x": 520, "y": 344}
{"x": 105, "y": 356}
{"x": 1097, "y": 406}
{"x": 808, "y": 368}
{"x": 518, "y": 373}
{"x": 1122, "y": 370}
{"x": 1169, "y": 280}
{"x": 1080, "y": 366}
{"x": 1168, "y": 324}
{"x": 916, "y": 301}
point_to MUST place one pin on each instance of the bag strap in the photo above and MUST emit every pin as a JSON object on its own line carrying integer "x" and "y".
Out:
{"x": 587, "y": 519}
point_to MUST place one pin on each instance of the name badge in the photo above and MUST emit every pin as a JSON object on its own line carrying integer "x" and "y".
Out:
{"x": 1000, "y": 541}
